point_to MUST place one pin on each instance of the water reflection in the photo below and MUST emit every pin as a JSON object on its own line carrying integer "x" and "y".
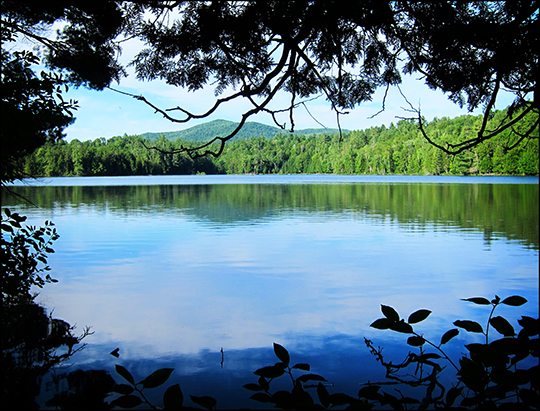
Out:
{"x": 178, "y": 271}
{"x": 509, "y": 208}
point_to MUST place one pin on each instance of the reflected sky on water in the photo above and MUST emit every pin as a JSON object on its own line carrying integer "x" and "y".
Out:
{"x": 185, "y": 266}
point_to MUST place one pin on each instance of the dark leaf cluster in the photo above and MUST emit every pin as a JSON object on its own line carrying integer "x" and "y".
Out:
{"x": 494, "y": 374}
{"x": 32, "y": 108}
{"x": 132, "y": 395}
{"x": 31, "y": 341}
{"x": 23, "y": 256}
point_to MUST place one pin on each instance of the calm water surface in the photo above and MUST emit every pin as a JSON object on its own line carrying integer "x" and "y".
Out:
{"x": 172, "y": 269}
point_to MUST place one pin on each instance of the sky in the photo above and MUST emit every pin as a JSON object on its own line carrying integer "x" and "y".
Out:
{"x": 108, "y": 113}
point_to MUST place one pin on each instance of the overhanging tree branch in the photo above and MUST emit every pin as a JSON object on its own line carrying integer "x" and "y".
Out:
{"x": 199, "y": 151}
{"x": 526, "y": 135}
{"x": 482, "y": 135}
{"x": 466, "y": 50}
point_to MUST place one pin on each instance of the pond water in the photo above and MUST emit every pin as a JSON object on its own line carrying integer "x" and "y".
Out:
{"x": 173, "y": 269}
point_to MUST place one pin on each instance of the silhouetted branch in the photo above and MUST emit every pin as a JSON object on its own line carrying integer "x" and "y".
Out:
{"x": 482, "y": 135}
{"x": 527, "y": 134}
{"x": 247, "y": 92}
{"x": 383, "y": 103}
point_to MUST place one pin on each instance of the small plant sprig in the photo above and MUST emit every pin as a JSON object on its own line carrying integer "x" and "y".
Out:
{"x": 298, "y": 397}
{"x": 133, "y": 394}
{"x": 500, "y": 324}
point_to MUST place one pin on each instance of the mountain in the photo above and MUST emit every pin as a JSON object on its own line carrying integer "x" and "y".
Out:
{"x": 207, "y": 131}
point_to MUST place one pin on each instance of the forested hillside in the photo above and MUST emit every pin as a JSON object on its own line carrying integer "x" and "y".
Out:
{"x": 207, "y": 131}
{"x": 398, "y": 149}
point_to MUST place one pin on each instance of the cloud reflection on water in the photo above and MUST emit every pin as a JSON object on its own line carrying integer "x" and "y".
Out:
{"x": 178, "y": 269}
{"x": 181, "y": 287}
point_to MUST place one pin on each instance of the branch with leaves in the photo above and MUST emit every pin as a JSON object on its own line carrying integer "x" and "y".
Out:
{"x": 490, "y": 371}
{"x": 23, "y": 249}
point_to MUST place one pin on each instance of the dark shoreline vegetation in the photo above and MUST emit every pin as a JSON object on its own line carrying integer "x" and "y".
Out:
{"x": 398, "y": 149}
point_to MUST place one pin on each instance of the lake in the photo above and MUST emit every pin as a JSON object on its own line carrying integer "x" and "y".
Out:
{"x": 173, "y": 269}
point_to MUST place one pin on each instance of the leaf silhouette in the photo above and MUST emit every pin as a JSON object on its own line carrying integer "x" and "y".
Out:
{"x": 502, "y": 326}
{"x": 302, "y": 366}
{"x": 514, "y": 301}
{"x": 324, "y": 396}
{"x": 261, "y": 397}
{"x": 205, "y": 401}
{"x": 416, "y": 341}
{"x": 402, "y": 327}
{"x": 124, "y": 373}
{"x": 381, "y": 324}
{"x": 263, "y": 383}
{"x": 270, "y": 372}
{"x": 389, "y": 313}
{"x": 282, "y": 354}
{"x": 252, "y": 387}
{"x": 448, "y": 335}
{"x": 157, "y": 378}
{"x": 311, "y": 377}
{"x": 531, "y": 326}
{"x": 470, "y": 326}
{"x": 452, "y": 394}
{"x": 418, "y": 316}
{"x": 173, "y": 397}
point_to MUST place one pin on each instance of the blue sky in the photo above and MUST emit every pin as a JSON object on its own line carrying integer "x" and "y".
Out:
{"x": 107, "y": 113}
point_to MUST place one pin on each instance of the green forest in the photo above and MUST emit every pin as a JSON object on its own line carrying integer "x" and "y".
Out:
{"x": 398, "y": 149}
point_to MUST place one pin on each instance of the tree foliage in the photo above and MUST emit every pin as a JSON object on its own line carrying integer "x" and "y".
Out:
{"x": 33, "y": 111}
{"x": 320, "y": 48}
{"x": 256, "y": 51}
{"x": 117, "y": 156}
{"x": 398, "y": 149}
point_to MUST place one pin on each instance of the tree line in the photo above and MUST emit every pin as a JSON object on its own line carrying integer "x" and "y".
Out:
{"x": 397, "y": 149}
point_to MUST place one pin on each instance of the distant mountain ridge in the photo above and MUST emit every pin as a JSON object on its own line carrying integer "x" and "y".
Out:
{"x": 207, "y": 131}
